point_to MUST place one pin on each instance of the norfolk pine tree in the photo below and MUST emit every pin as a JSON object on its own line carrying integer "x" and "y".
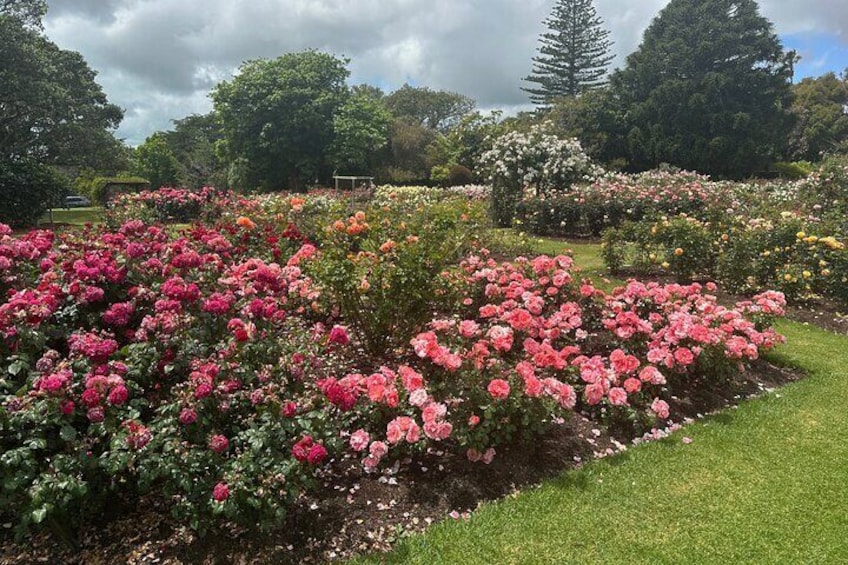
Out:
{"x": 574, "y": 53}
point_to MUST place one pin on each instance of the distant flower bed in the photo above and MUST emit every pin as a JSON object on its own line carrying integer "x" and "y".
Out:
{"x": 790, "y": 253}
{"x": 589, "y": 209}
{"x": 227, "y": 366}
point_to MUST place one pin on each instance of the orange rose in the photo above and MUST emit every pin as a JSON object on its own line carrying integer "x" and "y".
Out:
{"x": 245, "y": 222}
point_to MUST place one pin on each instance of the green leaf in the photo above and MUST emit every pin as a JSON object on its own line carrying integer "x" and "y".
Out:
{"x": 68, "y": 433}
{"x": 39, "y": 515}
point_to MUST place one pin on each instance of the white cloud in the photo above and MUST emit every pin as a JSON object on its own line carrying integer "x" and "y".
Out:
{"x": 159, "y": 58}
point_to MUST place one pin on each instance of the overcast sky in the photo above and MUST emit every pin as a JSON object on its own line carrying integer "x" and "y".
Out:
{"x": 158, "y": 59}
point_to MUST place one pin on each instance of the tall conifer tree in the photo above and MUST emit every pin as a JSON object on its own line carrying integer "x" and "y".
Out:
{"x": 574, "y": 53}
{"x": 708, "y": 89}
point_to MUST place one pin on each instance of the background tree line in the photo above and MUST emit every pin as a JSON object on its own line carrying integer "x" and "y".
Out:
{"x": 709, "y": 88}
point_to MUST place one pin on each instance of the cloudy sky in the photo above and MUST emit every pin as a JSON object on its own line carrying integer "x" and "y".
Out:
{"x": 158, "y": 59}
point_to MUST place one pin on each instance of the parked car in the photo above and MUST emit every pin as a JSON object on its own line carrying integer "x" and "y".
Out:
{"x": 74, "y": 201}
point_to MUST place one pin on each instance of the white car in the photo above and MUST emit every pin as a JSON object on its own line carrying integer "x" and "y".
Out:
{"x": 76, "y": 202}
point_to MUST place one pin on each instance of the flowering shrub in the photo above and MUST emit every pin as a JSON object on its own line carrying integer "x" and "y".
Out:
{"x": 538, "y": 159}
{"x": 382, "y": 269}
{"x": 222, "y": 367}
{"x": 589, "y": 209}
{"x": 744, "y": 255}
{"x": 170, "y": 205}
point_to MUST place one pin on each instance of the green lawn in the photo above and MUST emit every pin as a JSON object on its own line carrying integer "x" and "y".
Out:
{"x": 73, "y": 216}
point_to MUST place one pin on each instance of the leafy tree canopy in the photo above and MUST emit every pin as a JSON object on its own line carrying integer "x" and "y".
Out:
{"x": 436, "y": 109}
{"x": 154, "y": 161}
{"x": 27, "y": 12}
{"x": 820, "y": 106}
{"x": 277, "y": 118}
{"x": 708, "y": 89}
{"x": 361, "y": 128}
{"x": 51, "y": 108}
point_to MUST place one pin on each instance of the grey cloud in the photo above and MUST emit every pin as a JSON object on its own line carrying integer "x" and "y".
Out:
{"x": 159, "y": 58}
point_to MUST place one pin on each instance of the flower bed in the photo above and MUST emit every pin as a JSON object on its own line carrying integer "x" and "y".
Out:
{"x": 788, "y": 253}
{"x": 224, "y": 367}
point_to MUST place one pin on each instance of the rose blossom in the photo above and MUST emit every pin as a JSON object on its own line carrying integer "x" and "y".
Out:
{"x": 660, "y": 408}
{"x": 187, "y": 416}
{"x": 618, "y": 396}
{"x": 359, "y": 440}
{"x": 219, "y": 443}
{"x": 498, "y": 389}
{"x": 221, "y": 492}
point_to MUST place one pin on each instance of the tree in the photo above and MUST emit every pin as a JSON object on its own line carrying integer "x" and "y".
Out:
{"x": 154, "y": 161}
{"x": 277, "y": 117}
{"x": 594, "y": 119}
{"x": 821, "y": 109}
{"x": 574, "y": 53}
{"x": 361, "y": 128}
{"x": 464, "y": 144}
{"x": 708, "y": 89}
{"x": 192, "y": 143}
{"x": 408, "y": 160}
{"x": 27, "y": 12}
{"x": 27, "y": 190}
{"x": 51, "y": 108}
{"x": 436, "y": 109}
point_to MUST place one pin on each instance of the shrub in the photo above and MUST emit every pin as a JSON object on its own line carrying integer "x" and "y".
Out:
{"x": 459, "y": 175}
{"x": 440, "y": 175}
{"x": 383, "y": 272}
{"x": 682, "y": 246}
{"x": 225, "y": 367}
{"x": 795, "y": 170}
{"x": 27, "y": 191}
{"x": 537, "y": 159}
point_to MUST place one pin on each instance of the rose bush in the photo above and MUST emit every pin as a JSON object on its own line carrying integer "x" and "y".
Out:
{"x": 225, "y": 366}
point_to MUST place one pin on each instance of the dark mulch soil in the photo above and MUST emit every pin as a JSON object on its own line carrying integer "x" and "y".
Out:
{"x": 357, "y": 513}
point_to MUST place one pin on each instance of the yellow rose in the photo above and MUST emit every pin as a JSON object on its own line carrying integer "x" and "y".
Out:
{"x": 807, "y": 274}
{"x": 825, "y": 272}
{"x": 665, "y": 265}
{"x": 787, "y": 277}
{"x": 800, "y": 235}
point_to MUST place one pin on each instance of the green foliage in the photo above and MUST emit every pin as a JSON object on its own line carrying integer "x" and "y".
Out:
{"x": 744, "y": 256}
{"x": 707, "y": 90}
{"x": 794, "y": 171}
{"x": 439, "y": 174}
{"x": 435, "y": 109}
{"x": 96, "y": 189}
{"x": 594, "y": 118}
{"x": 27, "y": 190}
{"x": 53, "y": 110}
{"x": 277, "y": 117}
{"x": 408, "y": 160}
{"x": 574, "y": 53}
{"x": 28, "y": 12}
{"x": 683, "y": 247}
{"x": 361, "y": 128}
{"x": 384, "y": 273}
{"x": 154, "y": 161}
{"x": 192, "y": 142}
{"x": 822, "y": 122}
{"x": 459, "y": 175}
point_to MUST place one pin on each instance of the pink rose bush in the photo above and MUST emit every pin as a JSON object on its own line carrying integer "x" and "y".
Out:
{"x": 225, "y": 366}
